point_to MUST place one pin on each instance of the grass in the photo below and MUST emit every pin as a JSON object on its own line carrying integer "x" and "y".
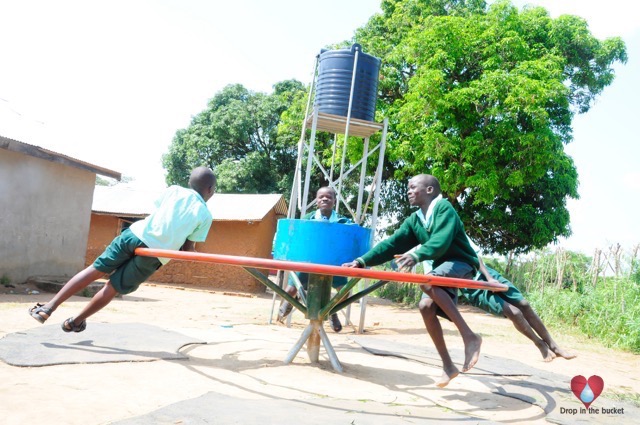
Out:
{"x": 626, "y": 397}
{"x": 614, "y": 320}
{"x": 571, "y": 292}
{"x": 404, "y": 293}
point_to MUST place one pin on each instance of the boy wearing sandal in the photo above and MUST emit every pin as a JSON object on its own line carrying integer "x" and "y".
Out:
{"x": 181, "y": 219}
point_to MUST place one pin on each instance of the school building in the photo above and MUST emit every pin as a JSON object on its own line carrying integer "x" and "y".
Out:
{"x": 243, "y": 225}
{"x": 45, "y": 209}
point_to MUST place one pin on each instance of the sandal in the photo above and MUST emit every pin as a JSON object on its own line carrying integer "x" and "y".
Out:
{"x": 69, "y": 325}
{"x": 40, "y": 312}
{"x": 285, "y": 310}
{"x": 335, "y": 322}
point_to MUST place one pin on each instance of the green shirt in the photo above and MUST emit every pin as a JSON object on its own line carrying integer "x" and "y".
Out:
{"x": 443, "y": 240}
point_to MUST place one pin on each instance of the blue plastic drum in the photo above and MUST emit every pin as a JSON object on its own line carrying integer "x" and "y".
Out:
{"x": 320, "y": 242}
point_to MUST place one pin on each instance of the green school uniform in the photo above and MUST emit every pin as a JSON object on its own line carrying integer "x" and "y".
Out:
{"x": 443, "y": 239}
{"x": 492, "y": 302}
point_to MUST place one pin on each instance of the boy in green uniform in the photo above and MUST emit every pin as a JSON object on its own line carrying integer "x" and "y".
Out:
{"x": 436, "y": 227}
{"x": 181, "y": 219}
{"x": 326, "y": 202}
{"x": 515, "y": 307}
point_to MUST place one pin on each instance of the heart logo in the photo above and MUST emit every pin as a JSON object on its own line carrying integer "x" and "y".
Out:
{"x": 587, "y": 390}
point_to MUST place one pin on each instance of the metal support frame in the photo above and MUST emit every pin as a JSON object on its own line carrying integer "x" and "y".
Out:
{"x": 320, "y": 302}
{"x": 308, "y": 159}
{"x": 331, "y": 123}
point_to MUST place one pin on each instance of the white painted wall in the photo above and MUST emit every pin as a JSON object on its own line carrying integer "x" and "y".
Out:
{"x": 45, "y": 209}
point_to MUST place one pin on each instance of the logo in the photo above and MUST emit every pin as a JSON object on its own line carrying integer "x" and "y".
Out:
{"x": 587, "y": 390}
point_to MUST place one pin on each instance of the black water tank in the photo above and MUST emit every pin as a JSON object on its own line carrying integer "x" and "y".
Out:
{"x": 335, "y": 73}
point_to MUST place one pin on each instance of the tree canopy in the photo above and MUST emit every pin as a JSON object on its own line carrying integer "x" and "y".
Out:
{"x": 483, "y": 98}
{"x": 237, "y": 136}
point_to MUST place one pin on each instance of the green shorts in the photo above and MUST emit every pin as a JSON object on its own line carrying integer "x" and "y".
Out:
{"x": 493, "y": 302}
{"x": 127, "y": 271}
{"x": 453, "y": 268}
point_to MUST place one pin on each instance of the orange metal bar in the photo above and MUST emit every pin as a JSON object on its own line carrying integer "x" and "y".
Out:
{"x": 263, "y": 263}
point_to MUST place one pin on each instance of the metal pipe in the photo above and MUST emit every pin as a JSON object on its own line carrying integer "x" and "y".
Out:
{"x": 363, "y": 173}
{"x": 330, "y": 351}
{"x": 307, "y": 177}
{"x": 341, "y": 295}
{"x": 298, "y": 345}
{"x": 264, "y": 263}
{"x": 346, "y": 130}
{"x": 295, "y": 189}
{"x": 359, "y": 295}
{"x": 374, "y": 215}
{"x": 260, "y": 277}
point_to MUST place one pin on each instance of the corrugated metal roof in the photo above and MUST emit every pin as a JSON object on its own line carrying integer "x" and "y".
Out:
{"x": 127, "y": 201}
{"x": 123, "y": 200}
{"x": 48, "y": 155}
{"x": 236, "y": 207}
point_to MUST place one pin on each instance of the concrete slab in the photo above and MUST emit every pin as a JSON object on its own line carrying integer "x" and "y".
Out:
{"x": 504, "y": 377}
{"x": 100, "y": 343}
{"x": 239, "y": 376}
{"x": 215, "y": 408}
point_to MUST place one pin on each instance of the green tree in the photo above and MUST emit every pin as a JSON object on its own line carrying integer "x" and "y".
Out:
{"x": 237, "y": 136}
{"x": 483, "y": 98}
{"x": 100, "y": 181}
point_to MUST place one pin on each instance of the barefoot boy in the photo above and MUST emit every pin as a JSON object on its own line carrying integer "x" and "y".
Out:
{"x": 436, "y": 227}
{"x": 515, "y": 307}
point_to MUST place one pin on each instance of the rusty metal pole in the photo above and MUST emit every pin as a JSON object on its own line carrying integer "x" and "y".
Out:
{"x": 318, "y": 295}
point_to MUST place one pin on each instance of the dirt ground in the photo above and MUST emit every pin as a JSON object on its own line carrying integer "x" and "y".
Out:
{"x": 244, "y": 354}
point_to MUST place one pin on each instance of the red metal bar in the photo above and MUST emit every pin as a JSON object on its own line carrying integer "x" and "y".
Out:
{"x": 263, "y": 263}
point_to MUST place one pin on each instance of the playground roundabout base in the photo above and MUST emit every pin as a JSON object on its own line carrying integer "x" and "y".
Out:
{"x": 238, "y": 376}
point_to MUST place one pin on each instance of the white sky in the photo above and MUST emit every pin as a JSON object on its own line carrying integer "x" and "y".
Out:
{"x": 110, "y": 83}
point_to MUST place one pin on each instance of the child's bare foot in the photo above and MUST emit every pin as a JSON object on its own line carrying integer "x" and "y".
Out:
{"x": 547, "y": 354}
{"x": 447, "y": 375}
{"x": 471, "y": 352}
{"x": 564, "y": 354}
